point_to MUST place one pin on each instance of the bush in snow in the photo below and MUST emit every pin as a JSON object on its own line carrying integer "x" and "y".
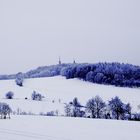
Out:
{"x": 36, "y": 96}
{"x": 51, "y": 113}
{"x": 96, "y": 107}
{"x": 5, "y": 110}
{"x": 9, "y": 95}
{"x": 19, "y": 79}
{"x": 136, "y": 117}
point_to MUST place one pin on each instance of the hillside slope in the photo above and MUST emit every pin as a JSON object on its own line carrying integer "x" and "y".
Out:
{"x": 60, "y": 91}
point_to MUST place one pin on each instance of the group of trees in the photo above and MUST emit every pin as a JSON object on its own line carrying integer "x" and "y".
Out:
{"x": 97, "y": 108}
{"x": 117, "y": 74}
{"x": 94, "y": 108}
{"x": 46, "y": 71}
{"x": 73, "y": 109}
{"x": 5, "y": 110}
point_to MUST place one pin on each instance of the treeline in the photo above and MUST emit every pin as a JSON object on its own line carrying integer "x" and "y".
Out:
{"x": 97, "y": 108}
{"x": 44, "y": 71}
{"x": 124, "y": 75}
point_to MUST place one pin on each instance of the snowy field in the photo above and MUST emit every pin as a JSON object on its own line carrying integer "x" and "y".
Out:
{"x": 63, "y": 128}
{"x": 61, "y": 91}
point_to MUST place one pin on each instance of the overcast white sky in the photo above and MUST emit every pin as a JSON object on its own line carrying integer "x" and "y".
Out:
{"x": 36, "y": 32}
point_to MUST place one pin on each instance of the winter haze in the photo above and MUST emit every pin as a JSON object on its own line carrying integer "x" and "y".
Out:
{"x": 36, "y": 32}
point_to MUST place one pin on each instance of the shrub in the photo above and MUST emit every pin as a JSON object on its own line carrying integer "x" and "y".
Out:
{"x": 9, "y": 95}
{"x": 36, "y": 96}
{"x": 136, "y": 117}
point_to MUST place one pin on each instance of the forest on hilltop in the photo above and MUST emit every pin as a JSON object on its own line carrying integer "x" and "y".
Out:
{"x": 118, "y": 74}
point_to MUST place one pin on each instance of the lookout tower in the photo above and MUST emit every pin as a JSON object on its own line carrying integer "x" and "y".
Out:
{"x": 59, "y": 61}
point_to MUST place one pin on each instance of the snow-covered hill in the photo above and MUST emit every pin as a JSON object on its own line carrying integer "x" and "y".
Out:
{"x": 61, "y": 91}
{"x": 63, "y": 128}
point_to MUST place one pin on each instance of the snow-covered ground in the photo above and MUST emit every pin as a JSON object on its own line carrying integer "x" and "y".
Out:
{"x": 63, "y": 128}
{"x": 62, "y": 91}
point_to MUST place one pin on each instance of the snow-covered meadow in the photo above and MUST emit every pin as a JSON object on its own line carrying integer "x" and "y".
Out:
{"x": 59, "y": 90}
{"x": 64, "y": 128}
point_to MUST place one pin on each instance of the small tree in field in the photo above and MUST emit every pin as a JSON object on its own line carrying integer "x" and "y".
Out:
{"x": 99, "y": 106}
{"x": 96, "y": 107}
{"x": 19, "y": 79}
{"x": 117, "y": 108}
{"x": 75, "y": 108}
{"x": 72, "y": 109}
{"x": 5, "y": 110}
{"x": 90, "y": 107}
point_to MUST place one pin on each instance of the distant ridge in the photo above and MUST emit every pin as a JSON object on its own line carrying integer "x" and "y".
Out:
{"x": 118, "y": 74}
